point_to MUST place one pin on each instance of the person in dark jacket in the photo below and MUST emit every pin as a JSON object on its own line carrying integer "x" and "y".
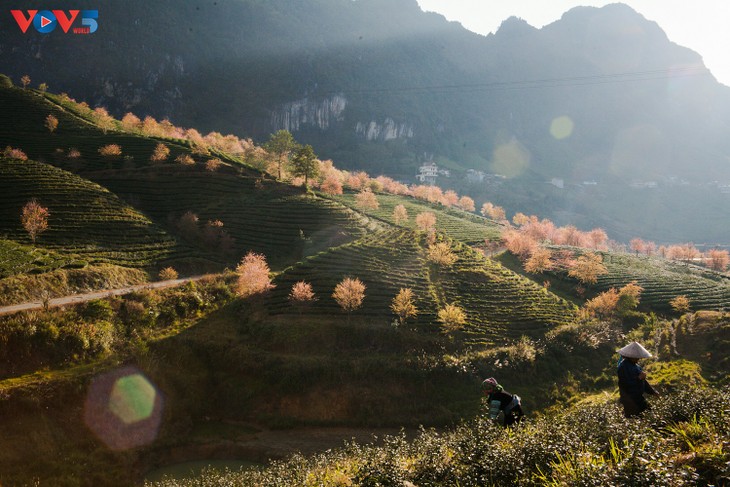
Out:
{"x": 500, "y": 400}
{"x": 632, "y": 384}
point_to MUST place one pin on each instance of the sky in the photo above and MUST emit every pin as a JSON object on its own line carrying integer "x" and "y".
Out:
{"x": 701, "y": 25}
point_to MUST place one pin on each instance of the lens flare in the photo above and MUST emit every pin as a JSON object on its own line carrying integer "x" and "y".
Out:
{"x": 123, "y": 409}
{"x": 510, "y": 159}
{"x": 132, "y": 398}
{"x": 561, "y": 127}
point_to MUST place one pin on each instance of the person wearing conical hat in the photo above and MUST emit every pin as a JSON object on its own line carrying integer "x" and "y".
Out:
{"x": 632, "y": 384}
{"x": 500, "y": 400}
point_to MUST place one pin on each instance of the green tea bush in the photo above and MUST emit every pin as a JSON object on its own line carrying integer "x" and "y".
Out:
{"x": 590, "y": 445}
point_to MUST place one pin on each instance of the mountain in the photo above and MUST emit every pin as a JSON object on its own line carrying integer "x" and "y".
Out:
{"x": 382, "y": 86}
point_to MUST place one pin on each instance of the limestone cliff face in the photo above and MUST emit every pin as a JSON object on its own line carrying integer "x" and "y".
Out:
{"x": 321, "y": 114}
{"x": 388, "y": 130}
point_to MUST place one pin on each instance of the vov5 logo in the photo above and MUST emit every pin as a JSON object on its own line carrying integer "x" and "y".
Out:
{"x": 46, "y": 21}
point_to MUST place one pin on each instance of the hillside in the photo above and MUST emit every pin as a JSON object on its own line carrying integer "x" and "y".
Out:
{"x": 125, "y": 210}
{"x": 101, "y": 392}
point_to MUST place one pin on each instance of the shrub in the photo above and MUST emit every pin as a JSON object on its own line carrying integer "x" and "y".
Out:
{"x": 12, "y": 153}
{"x": 441, "y": 254}
{"x": 111, "y": 150}
{"x": 185, "y": 160}
{"x": 168, "y": 273}
{"x": 452, "y": 318}
{"x": 160, "y": 154}
{"x": 213, "y": 165}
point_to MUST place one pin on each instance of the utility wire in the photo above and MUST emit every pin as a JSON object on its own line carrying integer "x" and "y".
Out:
{"x": 658, "y": 74}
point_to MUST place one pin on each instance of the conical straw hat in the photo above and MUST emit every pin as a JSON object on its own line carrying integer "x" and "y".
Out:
{"x": 634, "y": 350}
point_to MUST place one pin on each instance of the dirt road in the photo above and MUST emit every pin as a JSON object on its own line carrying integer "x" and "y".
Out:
{"x": 82, "y": 298}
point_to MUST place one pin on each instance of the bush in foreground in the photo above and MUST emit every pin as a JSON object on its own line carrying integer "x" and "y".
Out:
{"x": 680, "y": 442}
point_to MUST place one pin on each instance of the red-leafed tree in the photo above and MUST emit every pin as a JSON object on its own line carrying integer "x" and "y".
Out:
{"x": 253, "y": 275}
{"x": 34, "y": 218}
{"x": 717, "y": 259}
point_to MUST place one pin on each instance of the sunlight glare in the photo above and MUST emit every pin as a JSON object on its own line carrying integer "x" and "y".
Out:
{"x": 561, "y": 127}
{"x": 511, "y": 159}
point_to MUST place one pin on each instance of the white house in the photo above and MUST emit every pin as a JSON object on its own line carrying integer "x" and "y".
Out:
{"x": 428, "y": 173}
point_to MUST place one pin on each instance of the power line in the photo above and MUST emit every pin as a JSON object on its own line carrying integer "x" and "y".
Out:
{"x": 571, "y": 81}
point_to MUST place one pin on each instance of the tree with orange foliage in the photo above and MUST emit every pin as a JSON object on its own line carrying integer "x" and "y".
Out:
{"x": 494, "y": 212}
{"x": 426, "y": 221}
{"x": 400, "y": 214}
{"x": 519, "y": 219}
{"x": 302, "y": 295}
{"x": 717, "y": 259}
{"x": 25, "y": 81}
{"x": 331, "y": 185}
{"x": 131, "y": 122}
{"x": 466, "y": 203}
{"x": 111, "y": 150}
{"x": 587, "y": 268}
{"x": 212, "y": 165}
{"x": 161, "y": 153}
{"x": 637, "y": 245}
{"x": 598, "y": 238}
{"x": 253, "y": 275}
{"x": 452, "y": 318}
{"x": 403, "y": 305}
{"x": 103, "y": 120}
{"x": 603, "y": 305}
{"x": 539, "y": 261}
{"x": 570, "y": 235}
{"x": 51, "y": 123}
{"x": 349, "y": 294}
{"x": 628, "y": 298}
{"x": 688, "y": 253}
{"x": 34, "y": 219}
{"x": 168, "y": 274}
{"x": 519, "y": 244}
{"x": 450, "y": 198}
{"x": 366, "y": 200}
{"x": 185, "y": 160}
{"x": 680, "y": 304}
{"x": 441, "y": 254}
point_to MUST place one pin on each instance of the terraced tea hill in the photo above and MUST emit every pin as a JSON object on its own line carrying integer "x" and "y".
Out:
{"x": 16, "y": 258}
{"x": 459, "y": 225}
{"x": 85, "y": 218}
{"x": 664, "y": 280}
{"x": 384, "y": 262}
{"x": 501, "y": 306}
{"x": 274, "y": 219}
{"x": 26, "y": 130}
